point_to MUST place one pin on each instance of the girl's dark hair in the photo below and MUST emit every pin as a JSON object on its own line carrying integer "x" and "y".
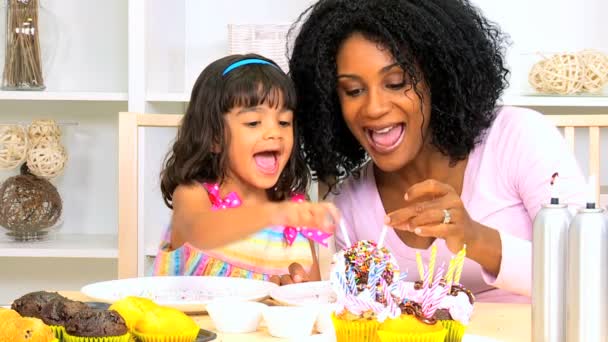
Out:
{"x": 447, "y": 43}
{"x": 193, "y": 157}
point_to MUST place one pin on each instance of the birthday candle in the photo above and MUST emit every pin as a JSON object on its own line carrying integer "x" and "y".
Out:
{"x": 432, "y": 261}
{"x": 352, "y": 284}
{"x": 460, "y": 264}
{"x": 433, "y": 296}
{"x": 420, "y": 266}
{"x": 449, "y": 275}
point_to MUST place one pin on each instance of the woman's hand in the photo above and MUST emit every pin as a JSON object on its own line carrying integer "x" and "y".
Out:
{"x": 323, "y": 215}
{"x": 434, "y": 209}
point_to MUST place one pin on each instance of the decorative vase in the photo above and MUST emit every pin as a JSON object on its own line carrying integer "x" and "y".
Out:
{"x": 22, "y": 62}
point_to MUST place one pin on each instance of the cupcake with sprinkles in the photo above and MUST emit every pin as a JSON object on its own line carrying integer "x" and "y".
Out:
{"x": 364, "y": 277}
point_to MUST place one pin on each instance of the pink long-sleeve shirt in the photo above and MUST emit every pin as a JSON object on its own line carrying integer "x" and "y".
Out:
{"x": 505, "y": 183}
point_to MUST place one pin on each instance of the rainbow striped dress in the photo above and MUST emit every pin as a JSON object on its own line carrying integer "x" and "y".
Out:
{"x": 259, "y": 256}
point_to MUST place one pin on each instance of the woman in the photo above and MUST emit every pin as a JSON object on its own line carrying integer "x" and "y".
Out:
{"x": 398, "y": 98}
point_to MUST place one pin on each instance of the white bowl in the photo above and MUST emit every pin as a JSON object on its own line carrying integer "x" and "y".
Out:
{"x": 290, "y": 321}
{"x": 235, "y": 316}
{"x": 324, "y": 323}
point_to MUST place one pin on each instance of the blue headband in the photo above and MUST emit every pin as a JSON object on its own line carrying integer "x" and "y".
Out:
{"x": 245, "y": 62}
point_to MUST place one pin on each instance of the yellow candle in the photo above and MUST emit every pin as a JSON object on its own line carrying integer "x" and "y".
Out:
{"x": 460, "y": 264}
{"x": 449, "y": 275}
{"x": 420, "y": 266}
{"x": 432, "y": 262}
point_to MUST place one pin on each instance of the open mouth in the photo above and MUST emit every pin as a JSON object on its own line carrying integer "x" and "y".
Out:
{"x": 385, "y": 139}
{"x": 267, "y": 162}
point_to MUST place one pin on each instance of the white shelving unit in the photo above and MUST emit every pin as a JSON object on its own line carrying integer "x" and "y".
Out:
{"x": 103, "y": 57}
{"x": 555, "y": 101}
{"x": 63, "y": 96}
{"x": 63, "y": 246}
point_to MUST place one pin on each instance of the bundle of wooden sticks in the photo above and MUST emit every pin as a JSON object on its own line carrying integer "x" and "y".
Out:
{"x": 22, "y": 65}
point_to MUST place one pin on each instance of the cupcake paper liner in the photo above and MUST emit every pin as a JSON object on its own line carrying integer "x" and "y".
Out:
{"x": 455, "y": 330}
{"x": 390, "y": 336}
{"x": 122, "y": 338}
{"x": 355, "y": 331}
{"x": 407, "y": 328}
{"x": 58, "y": 331}
{"x": 185, "y": 337}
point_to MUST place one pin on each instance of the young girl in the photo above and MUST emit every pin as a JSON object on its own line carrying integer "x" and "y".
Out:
{"x": 233, "y": 176}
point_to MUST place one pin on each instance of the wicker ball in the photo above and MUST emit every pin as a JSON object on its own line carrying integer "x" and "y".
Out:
{"x": 47, "y": 159}
{"x": 28, "y": 204}
{"x": 43, "y": 130}
{"x": 596, "y": 70}
{"x": 563, "y": 74}
{"x": 13, "y": 146}
{"x": 534, "y": 77}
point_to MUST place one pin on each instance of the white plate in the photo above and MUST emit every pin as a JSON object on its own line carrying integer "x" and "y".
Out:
{"x": 188, "y": 294}
{"x": 477, "y": 338}
{"x": 316, "y": 292}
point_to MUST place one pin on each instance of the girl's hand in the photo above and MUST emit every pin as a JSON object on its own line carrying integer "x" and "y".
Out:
{"x": 297, "y": 274}
{"x": 425, "y": 215}
{"x": 323, "y": 216}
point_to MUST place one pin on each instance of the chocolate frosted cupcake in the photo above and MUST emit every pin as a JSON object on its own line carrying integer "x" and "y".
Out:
{"x": 455, "y": 312}
{"x": 31, "y": 304}
{"x": 58, "y": 311}
{"x": 96, "y": 326}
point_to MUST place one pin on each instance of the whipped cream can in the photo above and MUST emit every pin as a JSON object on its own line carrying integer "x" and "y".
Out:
{"x": 549, "y": 244}
{"x": 587, "y": 276}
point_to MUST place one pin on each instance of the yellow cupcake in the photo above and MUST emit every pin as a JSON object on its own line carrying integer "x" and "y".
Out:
{"x": 164, "y": 324}
{"x": 407, "y": 328}
{"x": 349, "y": 329}
{"x": 25, "y": 329}
{"x": 6, "y": 314}
{"x": 133, "y": 309}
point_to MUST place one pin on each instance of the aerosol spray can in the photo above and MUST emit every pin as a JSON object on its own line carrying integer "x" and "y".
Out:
{"x": 587, "y": 277}
{"x": 549, "y": 245}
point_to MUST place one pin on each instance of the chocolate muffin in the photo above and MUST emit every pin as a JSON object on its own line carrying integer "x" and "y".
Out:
{"x": 59, "y": 310}
{"x": 96, "y": 323}
{"x": 31, "y": 304}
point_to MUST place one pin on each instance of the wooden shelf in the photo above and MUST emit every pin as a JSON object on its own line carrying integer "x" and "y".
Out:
{"x": 62, "y": 246}
{"x": 555, "y": 101}
{"x": 62, "y": 96}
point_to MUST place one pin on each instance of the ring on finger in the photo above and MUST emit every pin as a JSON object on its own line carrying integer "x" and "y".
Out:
{"x": 447, "y": 217}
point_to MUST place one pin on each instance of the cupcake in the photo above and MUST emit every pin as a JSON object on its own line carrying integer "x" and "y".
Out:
{"x": 58, "y": 311}
{"x": 455, "y": 309}
{"x": 411, "y": 326}
{"x": 7, "y": 314}
{"x": 416, "y": 322}
{"x": 15, "y": 328}
{"x": 165, "y": 324}
{"x": 31, "y": 304}
{"x": 96, "y": 326}
{"x": 455, "y": 312}
{"x": 363, "y": 277}
{"x": 133, "y": 309}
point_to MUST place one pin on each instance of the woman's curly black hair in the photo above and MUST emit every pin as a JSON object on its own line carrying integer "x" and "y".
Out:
{"x": 193, "y": 157}
{"x": 447, "y": 43}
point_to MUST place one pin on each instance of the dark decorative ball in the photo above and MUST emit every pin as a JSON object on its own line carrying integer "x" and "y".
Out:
{"x": 28, "y": 204}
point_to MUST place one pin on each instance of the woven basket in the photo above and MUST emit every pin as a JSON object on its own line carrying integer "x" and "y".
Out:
{"x": 268, "y": 40}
